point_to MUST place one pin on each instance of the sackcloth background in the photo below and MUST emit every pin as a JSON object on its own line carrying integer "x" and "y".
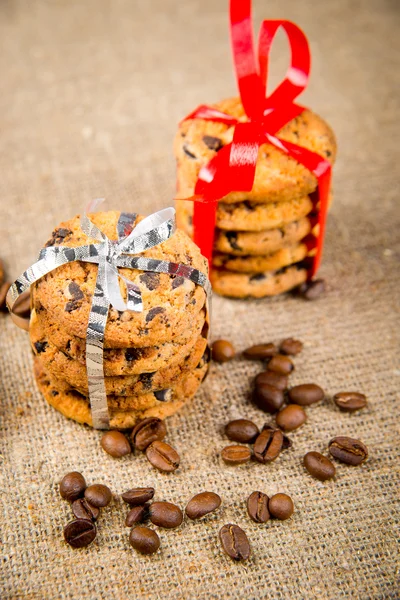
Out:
{"x": 91, "y": 92}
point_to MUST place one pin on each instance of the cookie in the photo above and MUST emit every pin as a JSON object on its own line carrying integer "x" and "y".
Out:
{"x": 257, "y": 285}
{"x": 125, "y": 411}
{"x": 278, "y": 176}
{"x": 259, "y": 264}
{"x": 74, "y": 375}
{"x": 121, "y": 361}
{"x": 169, "y": 302}
{"x": 249, "y": 216}
{"x": 243, "y": 243}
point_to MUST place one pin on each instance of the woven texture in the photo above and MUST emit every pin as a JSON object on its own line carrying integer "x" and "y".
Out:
{"x": 91, "y": 94}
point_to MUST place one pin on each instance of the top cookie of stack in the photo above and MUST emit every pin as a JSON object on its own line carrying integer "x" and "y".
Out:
{"x": 258, "y": 239}
{"x": 153, "y": 360}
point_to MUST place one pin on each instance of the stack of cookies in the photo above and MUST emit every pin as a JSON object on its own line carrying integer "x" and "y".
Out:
{"x": 259, "y": 249}
{"x": 154, "y": 361}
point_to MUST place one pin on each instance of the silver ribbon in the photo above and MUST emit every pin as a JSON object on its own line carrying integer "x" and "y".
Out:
{"x": 109, "y": 255}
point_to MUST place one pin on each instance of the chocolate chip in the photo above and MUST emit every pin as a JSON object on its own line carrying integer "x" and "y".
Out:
{"x": 40, "y": 346}
{"x": 231, "y": 236}
{"x": 58, "y": 236}
{"x": 328, "y": 153}
{"x": 187, "y": 152}
{"x": 72, "y": 305}
{"x": 146, "y": 379}
{"x": 177, "y": 281}
{"x": 163, "y": 395}
{"x": 75, "y": 291}
{"x": 132, "y": 354}
{"x": 151, "y": 280}
{"x": 153, "y": 312}
{"x": 257, "y": 277}
{"x": 213, "y": 143}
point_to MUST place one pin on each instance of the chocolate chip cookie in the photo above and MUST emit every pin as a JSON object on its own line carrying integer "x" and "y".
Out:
{"x": 259, "y": 264}
{"x": 257, "y": 285}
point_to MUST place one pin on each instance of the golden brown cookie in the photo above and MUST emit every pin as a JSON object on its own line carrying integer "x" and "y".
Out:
{"x": 125, "y": 411}
{"x": 170, "y": 303}
{"x": 249, "y": 216}
{"x": 121, "y": 361}
{"x": 259, "y": 264}
{"x": 278, "y": 176}
{"x": 257, "y": 285}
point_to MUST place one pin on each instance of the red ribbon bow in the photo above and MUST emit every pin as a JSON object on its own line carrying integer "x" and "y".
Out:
{"x": 233, "y": 168}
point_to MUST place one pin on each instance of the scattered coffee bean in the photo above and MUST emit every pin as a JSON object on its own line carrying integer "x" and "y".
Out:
{"x": 350, "y": 401}
{"x": 257, "y": 507}
{"x": 165, "y": 514}
{"x": 306, "y": 394}
{"x": 72, "y": 486}
{"x": 234, "y": 542}
{"x": 348, "y": 450}
{"x": 148, "y": 431}
{"x": 82, "y": 509}
{"x": 319, "y": 466}
{"x": 98, "y": 495}
{"x": 281, "y": 506}
{"x": 115, "y": 444}
{"x": 291, "y": 417}
{"x": 144, "y": 540}
{"x": 287, "y": 442}
{"x": 281, "y": 364}
{"x": 268, "y": 445}
{"x": 311, "y": 290}
{"x": 4, "y": 287}
{"x": 260, "y": 351}
{"x": 268, "y": 398}
{"x": 202, "y": 504}
{"x": 80, "y": 533}
{"x": 222, "y": 351}
{"x": 236, "y": 455}
{"x": 138, "y": 496}
{"x": 272, "y": 378}
{"x": 163, "y": 456}
{"x": 242, "y": 430}
{"x": 291, "y": 346}
{"x": 137, "y": 514}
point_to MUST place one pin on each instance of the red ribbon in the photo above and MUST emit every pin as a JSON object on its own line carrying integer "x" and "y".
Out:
{"x": 233, "y": 168}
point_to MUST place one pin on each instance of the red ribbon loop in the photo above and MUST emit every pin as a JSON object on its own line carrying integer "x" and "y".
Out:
{"x": 234, "y": 167}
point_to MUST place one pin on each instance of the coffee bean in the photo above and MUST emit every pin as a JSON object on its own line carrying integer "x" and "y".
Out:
{"x": 137, "y": 514}
{"x": 222, "y": 351}
{"x": 260, "y": 351}
{"x": 348, "y": 450}
{"x": 306, "y": 394}
{"x": 80, "y": 533}
{"x": 291, "y": 346}
{"x": 188, "y": 152}
{"x": 242, "y": 430}
{"x": 202, "y": 504}
{"x": 144, "y": 540}
{"x": 281, "y": 506}
{"x": 138, "y": 496}
{"x": 257, "y": 507}
{"x": 281, "y": 364}
{"x": 268, "y": 445}
{"x": 213, "y": 143}
{"x": 148, "y": 431}
{"x": 350, "y": 401}
{"x": 115, "y": 444}
{"x": 268, "y": 398}
{"x": 98, "y": 494}
{"x": 234, "y": 542}
{"x": 311, "y": 290}
{"x": 82, "y": 509}
{"x": 165, "y": 514}
{"x": 319, "y": 466}
{"x": 163, "y": 456}
{"x": 291, "y": 417}
{"x": 287, "y": 442}
{"x": 72, "y": 486}
{"x": 272, "y": 378}
{"x": 235, "y": 455}
{"x": 4, "y": 287}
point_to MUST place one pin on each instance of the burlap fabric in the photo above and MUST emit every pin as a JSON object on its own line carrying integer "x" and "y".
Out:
{"x": 91, "y": 93}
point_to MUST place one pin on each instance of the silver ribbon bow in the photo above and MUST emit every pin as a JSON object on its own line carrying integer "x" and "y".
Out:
{"x": 109, "y": 255}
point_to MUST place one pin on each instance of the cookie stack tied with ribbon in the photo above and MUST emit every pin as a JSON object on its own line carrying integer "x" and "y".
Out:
{"x": 120, "y": 317}
{"x": 256, "y": 172}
